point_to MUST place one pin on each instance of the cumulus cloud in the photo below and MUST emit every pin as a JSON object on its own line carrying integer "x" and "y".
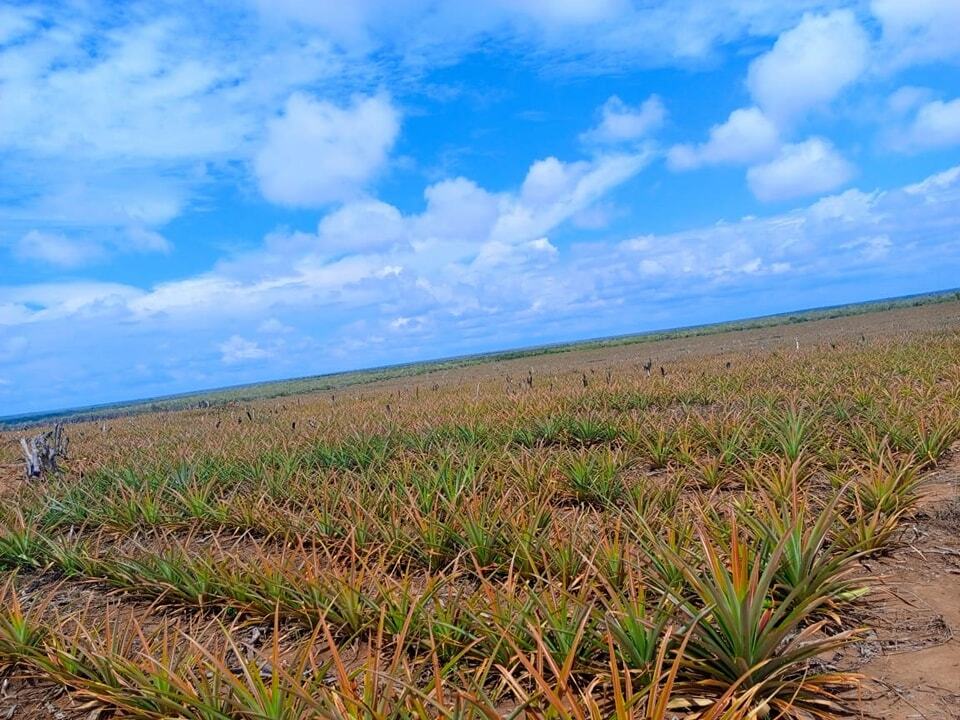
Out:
{"x": 156, "y": 104}
{"x": 938, "y": 188}
{"x": 161, "y": 107}
{"x": 361, "y": 226}
{"x": 272, "y": 326}
{"x": 746, "y": 137}
{"x": 458, "y": 212}
{"x": 463, "y": 225}
{"x": 907, "y": 98}
{"x": 415, "y": 300}
{"x": 871, "y": 248}
{"x": 935, "y": 125}
{"x": 93, "y": 195}
{"x": 620, "y": 122}
{"x": 366, "y": 248}
{"x": 920, "y": 31}
{"x": 364, "y": 25}
{"x": 805, "y": 168}
{"x": 141, "y": 93}
{"x": 830, "y": 237}
{"x": 809, "y": 65}
{"x": 549, "y": 179}
{"x": 16, "y": 22}
{"x": 56, "y": 249}
{"x": 48, "y": 302}
{"x": 525, "y": 255}
{"x": 576, "y": 35}
{"x": 238, "y": 349}
{"x": 141, "y": 239}
{"x": 496, "y": 275}
{"x": 317, "y": 152}
{"x": 553, "y": 192}
{"x": 852, "y": 206}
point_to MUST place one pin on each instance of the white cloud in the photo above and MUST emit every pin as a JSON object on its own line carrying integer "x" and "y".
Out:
{"x": 272, "y": 326}
{"x": 566, "y": 12}
{"x": 463, "y": 232}
{"x": 141, "y": 239}
{"x": 620, "y": 122}
{"x": 746, "y": 137}
{"x": 524, "y": 255}
{"x": 500, "y": 276}
{"x": 852, "y": 206}
{"x": 871, "y": 248}
{"x": 936, "y": 124}
{"x": 318, "y": 152}
{"x": 907, "y": 98}
{"x": 361, "y": 227}
{"x": 238, "y": 350}
{"x": 162, "y": 107}
{"x": 936, "y": 186}
{"x": 90, "y": 194}
{"x": 549, "y": 179}
{"x": 16, "y": 22}
{"x": 554, "y": 191}
{"x": 575, "y": 35}
{"x": 45, "y": 302}
{"x": 809, "y": 65}
{"x": 805, "y": 168}
{"x": 137, "y": 93}
{"x": 158, "y": 104}
{"x": 496, "y": 294}
{"x": 918, "y": 31}
{"x": 458, "y": 212}
{"x": 56, "y": 249}
{"x": 60, "y": 250}
{"x": 834, "y": 236}
{"x": 365, "y": 25}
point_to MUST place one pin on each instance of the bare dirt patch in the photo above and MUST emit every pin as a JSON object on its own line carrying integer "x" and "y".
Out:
{"x": 911, "y": 656}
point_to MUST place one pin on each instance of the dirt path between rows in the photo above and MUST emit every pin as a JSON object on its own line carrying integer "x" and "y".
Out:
{"x": 911, "y": 657}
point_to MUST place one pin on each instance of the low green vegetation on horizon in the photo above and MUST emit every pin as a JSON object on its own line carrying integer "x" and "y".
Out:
{"x": 341, "y": 380}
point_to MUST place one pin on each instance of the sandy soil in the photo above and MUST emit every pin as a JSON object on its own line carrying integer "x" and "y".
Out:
{"x": 911, "y": 658}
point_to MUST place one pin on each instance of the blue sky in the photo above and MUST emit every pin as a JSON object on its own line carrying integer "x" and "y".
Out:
{"x": 195, "y": 195}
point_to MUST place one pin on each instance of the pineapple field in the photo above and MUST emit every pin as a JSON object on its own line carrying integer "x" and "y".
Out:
{"x": 753, "y": 524}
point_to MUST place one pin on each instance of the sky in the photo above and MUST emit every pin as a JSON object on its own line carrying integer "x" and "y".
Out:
{"x": 201, "y": 194}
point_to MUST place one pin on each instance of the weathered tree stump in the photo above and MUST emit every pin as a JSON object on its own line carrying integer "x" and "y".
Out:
{"x": 41, "y": 451}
